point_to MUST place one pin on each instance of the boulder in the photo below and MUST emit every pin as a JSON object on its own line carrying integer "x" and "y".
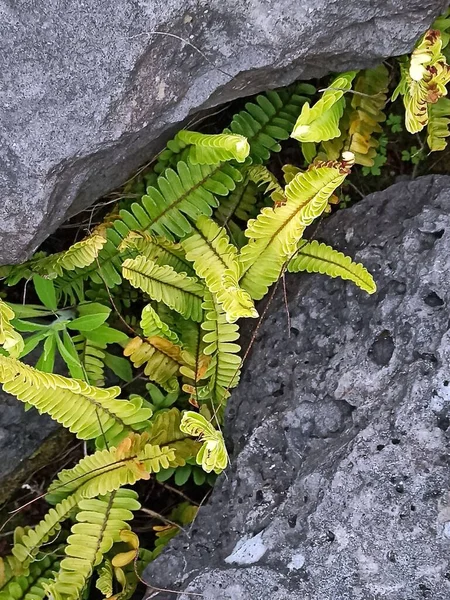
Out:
{"x": 339, "y": 484}
{"x": 91, "y": 91}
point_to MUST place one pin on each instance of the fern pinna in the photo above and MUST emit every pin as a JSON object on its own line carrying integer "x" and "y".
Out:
{"x": 161, "y": 285}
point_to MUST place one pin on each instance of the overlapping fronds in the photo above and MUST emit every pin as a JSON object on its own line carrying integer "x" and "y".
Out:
{"x": 211, "y": 149}
{"x": 220, "y": 337}
{"x": 85, "y": 410}
{"x": 108, "y": 470}
{"x": 162, "y": 283}
{"x": 161, "y": 357}
{"x": 261, "y": 175}
{"x": 438, "y": 124}
{"x": 315, "y": 257}
{"x": 31, "y": 586}
{"x": 10, "y": 339}
{"x": 320, "y": 122}
{"x": 275, "y": 233}
{"x": 216, "y": 262}
{"x": 153, "y": 326}
{"x": 105, "y": 580}
{"x": 98, "y": 526}
{"x": 240, "y": 204}
{"x": 371, "y": 87}
{"x": 213, "y": 455}
{"x": 270, "y": 119}
{"x": 423, "y": 80}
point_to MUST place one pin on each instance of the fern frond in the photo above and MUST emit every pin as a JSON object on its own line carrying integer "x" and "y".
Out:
{"x": 105, "y": 579}
{"x": 153, "y": 326}
{"x": 261, "y": 175}
{"x": 274, "y": 234}
{"x": 220, "y": 337}
{"x": 320, "y": 122}
{"x": 211, "y": 149}
{"x": 107, "y": 470}
{"x": 367, "y": 114}
{"x": 438, "y": 125}
{"x": 315, "y": 257}
{"x": 423, "y": 80}
{"x": 270, "y": 119}
{"x": 10, "y": 339}
{"x": 212, "y": 456}
{"x": 215, "y": 260}
{"x": 87, "y": 411}
{"x": 161, "y": 357}
{"x": 27, "y": 549}
{"x": 240, "y": 204}
{"x": 98, "y": 527}
{"x": 32, "y": 586}
{"x": 178, "y": 291}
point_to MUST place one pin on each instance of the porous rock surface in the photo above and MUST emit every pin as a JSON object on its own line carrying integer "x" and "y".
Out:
{"x": 339, "y": 485}
{"x": 90, "y": 92}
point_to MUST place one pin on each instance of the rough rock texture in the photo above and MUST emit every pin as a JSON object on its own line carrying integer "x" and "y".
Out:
{"x": 89, "y": 93}
{"x": 339, "y": 486}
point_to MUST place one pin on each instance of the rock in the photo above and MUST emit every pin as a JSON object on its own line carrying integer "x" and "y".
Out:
{"x": 90, "y": 91}
{"x": 339, "y": 485}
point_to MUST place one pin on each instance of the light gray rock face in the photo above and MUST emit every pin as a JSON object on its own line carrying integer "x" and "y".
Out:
{"x": 90, "y": 92}
{"x": 339, "y": 485}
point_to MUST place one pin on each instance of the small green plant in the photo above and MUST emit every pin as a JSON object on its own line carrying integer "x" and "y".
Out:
{"x": 153, "y": 296}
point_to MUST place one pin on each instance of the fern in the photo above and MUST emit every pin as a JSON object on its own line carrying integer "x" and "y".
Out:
{"x": 274, "y": 234}
{"x": 105, "y": 579}
{"x": 438, "y": 124}
{"x": 315, "y": 257}
{"x": 31, "y": 586}
{"x": 211, "y": 149}
{"x": 216, "y": 262}
{"x": 153, "y": 326}
{"x": 262, "y": 176}
{"x": 87, "y": 411}
{"x": 10, "y": 339}
{"x": 240, "y": 204}
{"x": 321, "y": 121}
{"x": 178, "y": 291}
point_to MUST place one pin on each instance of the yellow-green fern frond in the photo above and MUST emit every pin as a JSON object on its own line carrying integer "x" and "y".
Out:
{"x": 438, "y": 124}
{"x": 153, "y": 326}
{"x": 320, "y": 122}
{"x": 165, "y": 431}
{"x": 261, "y": 175}
{"x": 289, "y": 172}
{"x": 99, "y": 524}
{"x": 31, "y": 586}
{"x": 315, "y": 257}
{"x": 215, "y": 261}
{"x": 161, "y": 357}
{"x": 213, "y": 455}
{"x": 10, "y": 339}
{"x": 220, "y": 337}
{"x": 85, "y": 410}
{"x": 210, "y": 149}
{"x": 275, "y": 233}
{"x": 423, "y": 80}
{"x": 367, "y": 113}
{"x": 178, "y": 291}
{"x": 27, "y": 549}
{"x": 108, "y": 470}
{"x": 240, "y": 204}
{"x": 105, "y": 580}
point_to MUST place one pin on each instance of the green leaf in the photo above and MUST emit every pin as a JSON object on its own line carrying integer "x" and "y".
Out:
{"x": 46, "y": 361}
{"x": 45, "y": 289}
{"x": 69, "y": 355}
{"x": 32, "y": 341}
{"x": 88, "y": 322}
{"x": 28, "y": 326}
{"x": 119, "y": 365}
{"x": 182, "y": 474}
{"x": 106, "y": 335}
{"x": 92, "y": 308}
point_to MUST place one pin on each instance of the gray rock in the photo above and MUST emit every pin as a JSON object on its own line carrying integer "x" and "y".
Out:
{"x": 89, "y": 92}
{"x": 339, "y": 485}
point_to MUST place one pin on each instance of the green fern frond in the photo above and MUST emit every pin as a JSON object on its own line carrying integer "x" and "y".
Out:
{"x": 10, "y": 339}
{"x": 105, "y": 580}
{"x": 315, "y": 257}
{"x": 85, "y": 410}
{"x": 270, "y": 119}
{"x": 220, "y": 337}
{"x": 178, "y": 291}
{"x": 27, "y": 549}
{"x": 240, "y": 204}
{"x": 438, "y": 125}
{"x": 108, "y": 470}
{"x": 32, "y": 586}
{"x": 161, "y": 357}
{"x": 275, "y": 233}
{"x": 320, "y": 122}
{"x": 98, "y": 527}
{"x": 215, "y": 261}
{"x": 152, "y": 325}
{"x": 261, "y": 175}
{"x": 211, "y": 149}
